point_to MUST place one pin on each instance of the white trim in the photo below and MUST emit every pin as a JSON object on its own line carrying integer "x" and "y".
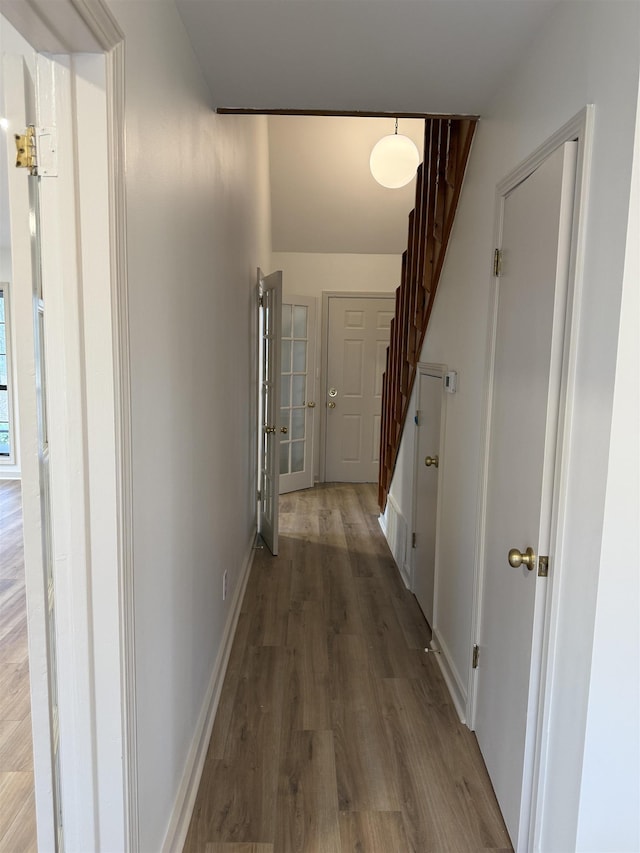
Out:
{"x": 324, "y": 359}
{"x": 188, "y": 788}
{"x": 115, "y": 60}
{"x": 450, "y": 674}
{"x": 60, "y": 250}
{"x": 579, "y": 128}
{"x": 583, "y": 130}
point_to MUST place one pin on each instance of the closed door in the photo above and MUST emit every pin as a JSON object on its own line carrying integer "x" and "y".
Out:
{"x": 531, "y": 312}
{"x": 270, "y": 295}
{"x": 427, "y": 476}
{"x": 358, "y": 336}
{"x": 297, "y": 389}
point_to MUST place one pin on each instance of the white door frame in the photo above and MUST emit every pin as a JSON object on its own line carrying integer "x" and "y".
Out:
{"x": 324, "y": 359}
{"x": 91, "y": 474}
{"x": 580, "y": 129}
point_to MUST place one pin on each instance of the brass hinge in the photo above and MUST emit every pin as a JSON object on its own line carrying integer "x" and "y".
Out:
{"x": 261, "y": 301}
{"x": 476, "y": 656}
{"x": 26, "y": 156}
{"x": 497, "y": 263}
{"x": 543, "y": 567}
{"x": 37, "y": 151}
{"x": 413, "y": 540}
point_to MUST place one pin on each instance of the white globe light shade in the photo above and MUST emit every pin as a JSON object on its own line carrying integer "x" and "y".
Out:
{"x": 394, "y": 160}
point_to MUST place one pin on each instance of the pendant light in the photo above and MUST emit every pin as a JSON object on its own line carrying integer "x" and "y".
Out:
{"x": 394, "y": 160}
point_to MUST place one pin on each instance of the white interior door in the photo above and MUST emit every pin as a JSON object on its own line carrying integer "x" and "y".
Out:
{"x": 357, "y": 340}
{"x": 270, "y": 291}
{"x": 427, "y": 475}
{"x": 297, "y": 393}
{"x": 32, "y": 387}
{"x": 536, "y": 240}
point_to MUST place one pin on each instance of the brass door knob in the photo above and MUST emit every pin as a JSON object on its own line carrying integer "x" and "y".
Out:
{"x": 269, "y": 430}
{"x": 517, "y": 558}
{"x": 431, "y": 460}
{"x": 311, "y": 404}
{"x": 285, "y": 430}
{"x": 331, "y": 405}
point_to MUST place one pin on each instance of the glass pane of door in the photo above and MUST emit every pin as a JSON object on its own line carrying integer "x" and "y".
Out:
{"x": 294, "y": 379}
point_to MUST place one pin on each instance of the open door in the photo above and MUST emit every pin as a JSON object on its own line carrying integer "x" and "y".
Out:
{"x": 32, "y": 386}
{"x": 270, "y": 330}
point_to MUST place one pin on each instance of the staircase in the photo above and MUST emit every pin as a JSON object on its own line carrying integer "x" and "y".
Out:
{"x": 447, "y": 142}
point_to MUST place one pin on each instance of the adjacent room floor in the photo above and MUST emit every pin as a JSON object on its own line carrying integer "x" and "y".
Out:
{"x": 17, "y": 812}
{"x": 335, "y": 731}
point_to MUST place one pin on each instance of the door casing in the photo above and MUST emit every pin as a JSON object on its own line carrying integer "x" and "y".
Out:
{"x": 580, "y": 129}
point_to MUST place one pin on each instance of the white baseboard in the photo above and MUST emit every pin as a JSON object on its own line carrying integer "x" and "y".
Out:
{"x": 186, "y": 796}
{"x": 451, "y": 676}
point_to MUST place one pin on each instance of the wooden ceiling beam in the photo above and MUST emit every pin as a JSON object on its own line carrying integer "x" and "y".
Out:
{"x": 342, "y": 113}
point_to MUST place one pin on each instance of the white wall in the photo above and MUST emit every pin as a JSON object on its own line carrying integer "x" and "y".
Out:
{"x": 5, "y": 263}
{"x": 309, "y": 274}
{"x": 197, "y": 228}
{"x": 587, "y": 54}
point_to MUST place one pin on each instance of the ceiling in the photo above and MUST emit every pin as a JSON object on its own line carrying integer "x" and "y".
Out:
{"x": 375, "y": 55}
{"x": 323, "y": 196}
{"x": 379, "y": 55}
{"x": 415, "y": 56}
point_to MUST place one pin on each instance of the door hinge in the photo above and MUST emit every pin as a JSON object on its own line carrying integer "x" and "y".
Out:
{"x": 416, "y": 419}
{"x": 37, "y": 151}
{"x": 476, "y": 656}
{"x": 413, "y": 540}
{"x": 259, "y": 495}
{"x": 260, "y": 301}
{"x": 497, "y": 263}
{"x": 543, "y": 567}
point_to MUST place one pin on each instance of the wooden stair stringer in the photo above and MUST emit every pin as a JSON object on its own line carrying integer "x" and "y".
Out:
{"x": 447, "y": 145}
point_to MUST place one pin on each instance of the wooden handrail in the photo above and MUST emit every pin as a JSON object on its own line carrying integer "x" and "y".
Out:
{"x": 447, "y": 143}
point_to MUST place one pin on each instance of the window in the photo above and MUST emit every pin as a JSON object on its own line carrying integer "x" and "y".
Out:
{"x": 6, "y": 424}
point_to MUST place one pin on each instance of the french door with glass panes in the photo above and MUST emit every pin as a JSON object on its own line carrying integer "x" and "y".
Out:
{"x": 297, "y": 396}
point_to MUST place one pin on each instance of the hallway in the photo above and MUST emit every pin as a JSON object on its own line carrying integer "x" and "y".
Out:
{"x": 334, "y": 730}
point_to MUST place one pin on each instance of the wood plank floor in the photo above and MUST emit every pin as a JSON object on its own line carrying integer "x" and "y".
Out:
{"x": 17, "y": 813}
{"x": 335, "y": 732}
